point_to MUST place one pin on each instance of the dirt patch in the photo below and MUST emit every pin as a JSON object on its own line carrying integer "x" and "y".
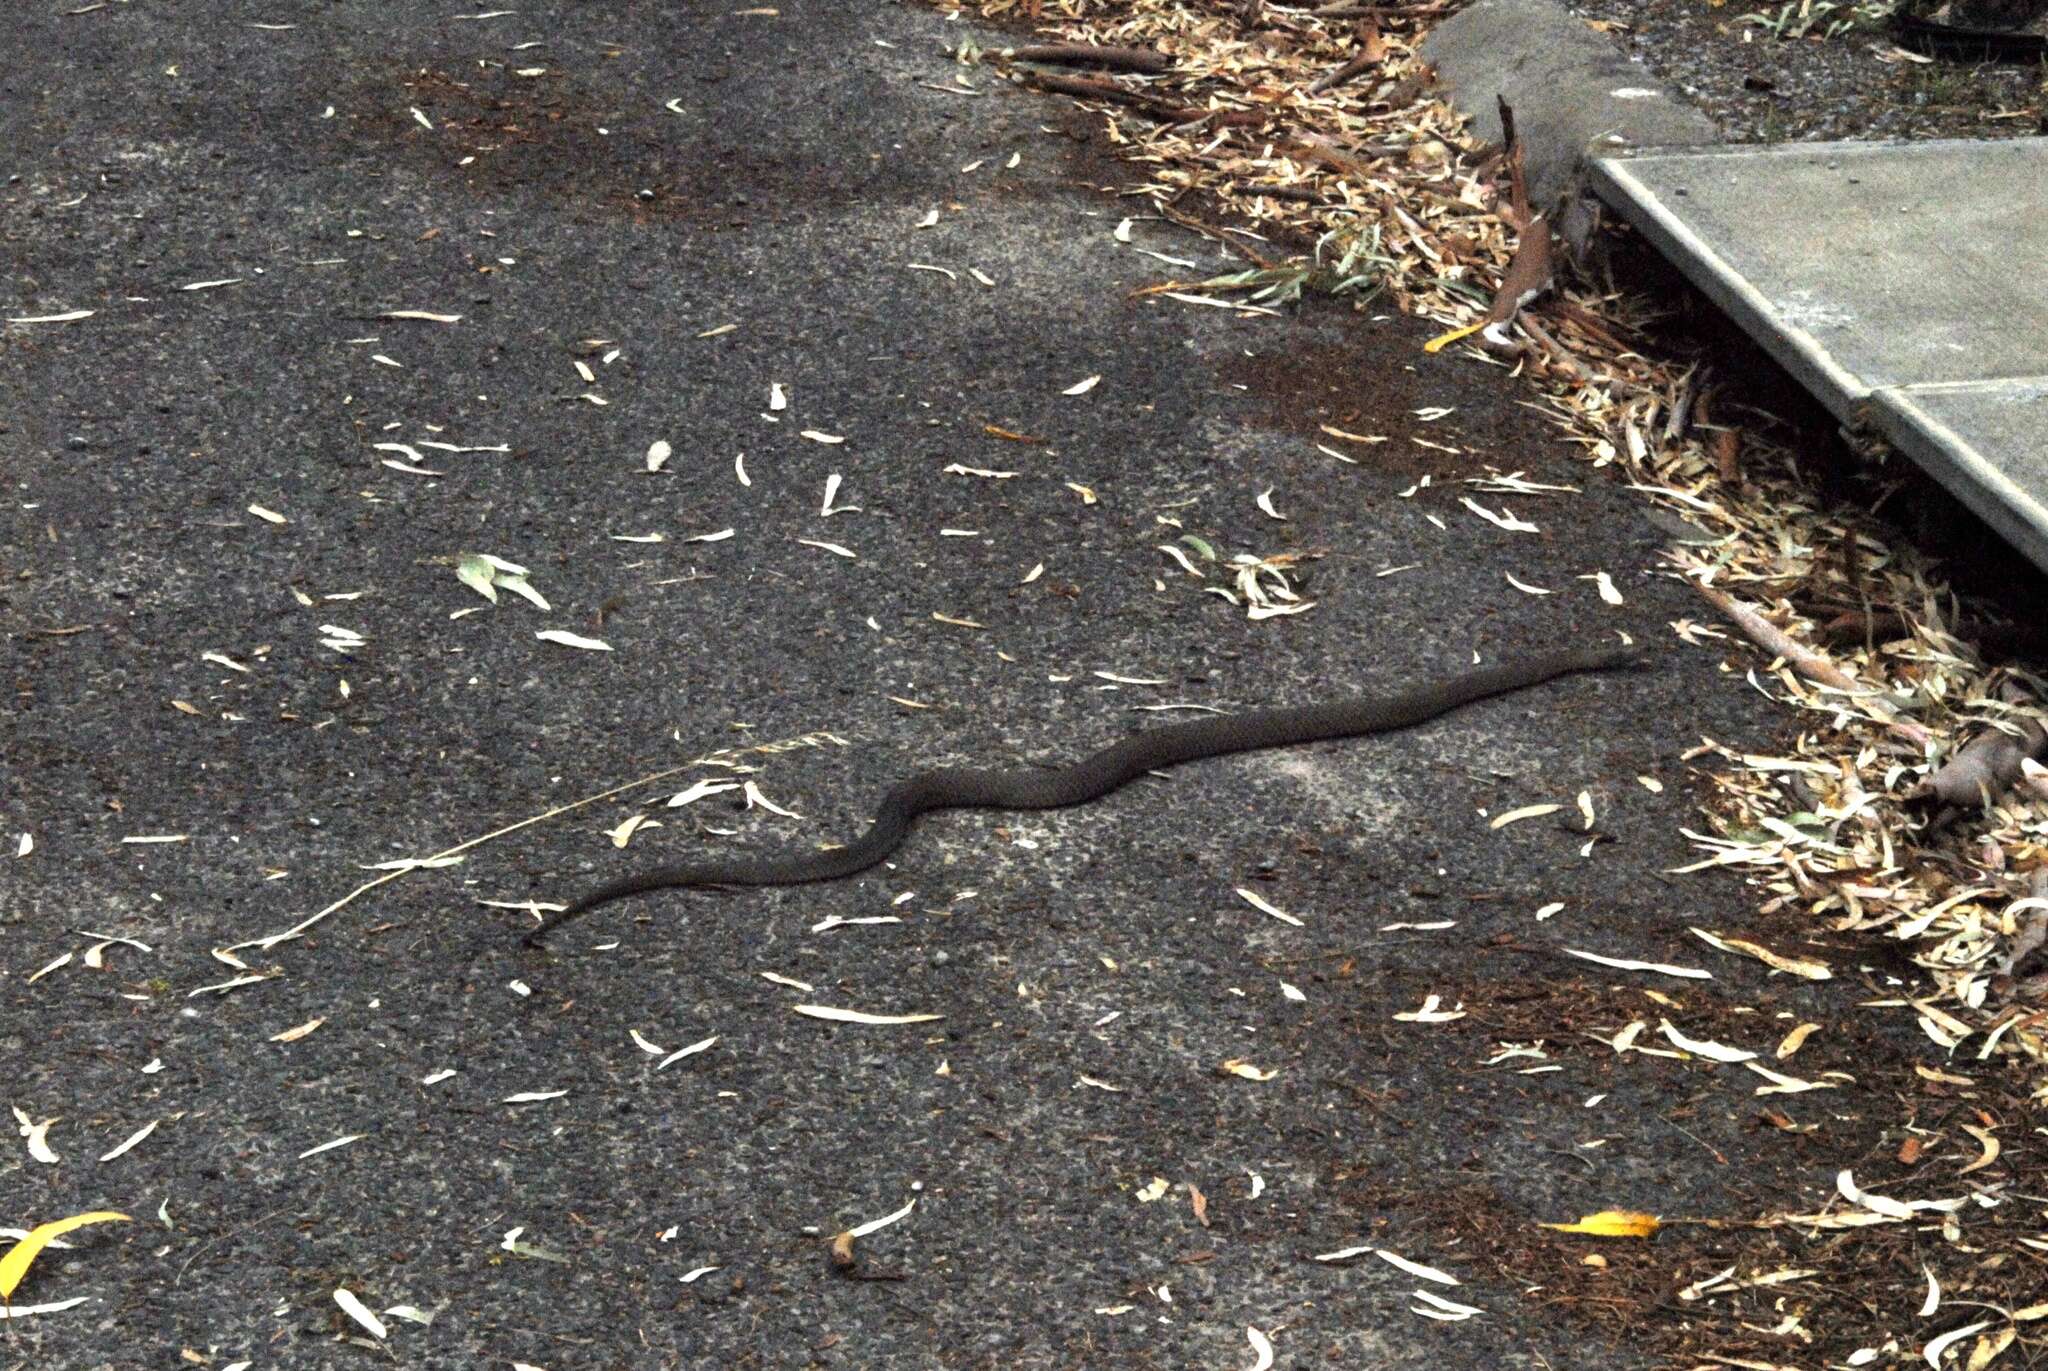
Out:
{"x": 505, "y": 135}
{"x": 1309, "y": 387}
{"x": 1731, "y": 60}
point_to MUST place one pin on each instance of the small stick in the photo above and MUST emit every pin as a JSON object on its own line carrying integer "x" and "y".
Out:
{"x": 1088, "y": 88}
{"x": 1689, "y": 387}
{"x": 298, "y": 929}
{"x": 1804, "y": 660}
{"x": 1088, "y": 55}
{"x": 1371, "y": 52}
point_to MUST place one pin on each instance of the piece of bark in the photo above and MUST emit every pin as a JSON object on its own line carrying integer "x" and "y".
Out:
{"x": 1371, "y": 52}
{"x": 1404, "y": 92}
{"x": 1302, "y": 195}
{"x": 1519, "y": 212}
{"x": 1528, "y": 274}
{"x": 1726, "y": 446}
{"x": 1555, "y": 354}
{"x": 1688, "y": 390}
{"x": 1089, "y": 55}
{"x": 1330, "y": 153}
{"x": 1805, "y": 660}
{"x": 1981, "y": 770}
{"x": 1853, "y": 628}
{"x": 1583, "y": 321}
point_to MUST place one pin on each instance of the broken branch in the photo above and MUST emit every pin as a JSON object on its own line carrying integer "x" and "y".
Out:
{"x": 1371, "y": 52}
{"x": 1089, "y": 55}
{"x": 1982, "y": 769}
{"x": 1806, "y": 661}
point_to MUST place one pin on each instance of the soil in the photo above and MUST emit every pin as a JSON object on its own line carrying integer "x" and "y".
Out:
{"x": 1856, "y": 83}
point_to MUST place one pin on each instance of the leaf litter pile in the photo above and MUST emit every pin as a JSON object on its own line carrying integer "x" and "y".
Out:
{"x": 1904, "y": 814}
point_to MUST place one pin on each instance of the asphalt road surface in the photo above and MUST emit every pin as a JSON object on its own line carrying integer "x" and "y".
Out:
{"x": 244, "y": 668}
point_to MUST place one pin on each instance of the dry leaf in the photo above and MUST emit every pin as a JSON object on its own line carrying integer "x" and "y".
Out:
{"x": 1794, "y": 1040}
{"x": 1804, "y": 967}
{"x": 1627, "y": 964}
{"x": 15, "y": 1264}
{"x": 1515, "y": 816}
{"x": 826, "y": 1011}
{"x": 566, "y": 639}
{"x": 360, "y": 1312}
{"x": 1612, "y": 1223}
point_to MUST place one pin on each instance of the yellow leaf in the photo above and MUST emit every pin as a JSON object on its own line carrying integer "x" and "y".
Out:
{"x": 1444, "y": 340}
{"x": 1612, "y": 1223}
{"x": 14, "y": 1265}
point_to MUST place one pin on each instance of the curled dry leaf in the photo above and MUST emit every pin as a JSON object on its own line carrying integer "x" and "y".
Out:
{"x": 1628, "y": 964}
{"x": 1237, "y": 1066}
{"x": 1431, "y": 1012}
{"x": 135, "y": 1138}
{"x": 360, "y": 1312}
{"x": 1988, "y": 1142}
{"x": 1515, "y": 816}
{"x": 1416, "y": 1269}
{"x": 877, "y": 1225}
{"x": 14, "y": 1265}
{"x": 1794, "y": 1040}
{"x": 1252, "y": 898}
{"x": 1699, "y": 1047}
{"x": 1441, "y": 1308}
{"x": 692, "y": 1050}
{"x": 1612, "y": 1223}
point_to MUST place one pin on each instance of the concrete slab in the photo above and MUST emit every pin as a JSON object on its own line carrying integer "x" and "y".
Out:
{"x": 1878, "y": 267}
{"x": 1573, "y": 91}
{"x": 1987, "y": 441}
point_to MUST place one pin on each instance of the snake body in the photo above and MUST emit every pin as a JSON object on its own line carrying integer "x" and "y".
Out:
{"x": 1101, "y": 772}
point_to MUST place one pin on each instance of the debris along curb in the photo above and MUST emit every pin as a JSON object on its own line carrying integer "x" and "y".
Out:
{"x": 1573, "y": 93}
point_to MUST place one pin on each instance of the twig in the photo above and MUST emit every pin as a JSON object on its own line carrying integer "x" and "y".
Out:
{"x": 1302, "y": 195}
{"x": 1351, "y": 10}
{"x": 1554, "y": 352}
{"x": 298, "y": 929}
{"x": 1371, "y": 52}
{"x": 1688, "y": 388}
{"x": 1215, "y": 235}
{"x": 1164, "y": 110}
{"x": 1805, "y": 660}
{"x": 1088, "y": 55}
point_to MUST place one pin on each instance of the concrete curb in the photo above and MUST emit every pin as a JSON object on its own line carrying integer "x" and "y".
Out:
{"x": 1574, "y": 94}
{"x": 1883, "y": 277}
